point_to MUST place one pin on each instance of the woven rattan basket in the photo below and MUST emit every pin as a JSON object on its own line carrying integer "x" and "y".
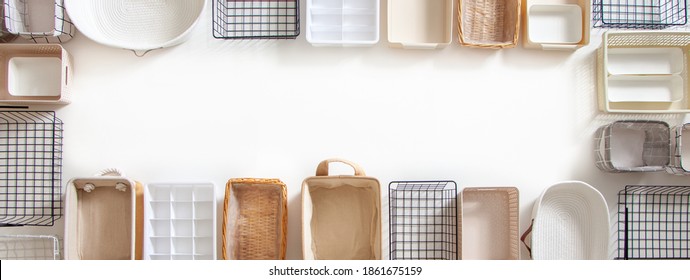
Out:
{"x": 255, "y": 219}
{"x": 489, "y": 23}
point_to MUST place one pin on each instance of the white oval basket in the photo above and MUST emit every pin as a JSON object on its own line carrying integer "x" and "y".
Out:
{"x": 570, "y": 221}
{"x": 137, "y": 25}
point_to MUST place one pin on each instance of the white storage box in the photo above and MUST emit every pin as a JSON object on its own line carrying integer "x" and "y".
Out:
{"x": 103, "y": 218}
{"x": 41, "y": 21}
{"x": 490, "y": 224}
{"x": 643, "y": 72}
{"x": 570, "y": 221}
{"x": 34, "y": 74}
{"x": 420, "y": 24}
{"x": 555, "y": 25}
{"x": 343, "y": 22}
{"x": 180, "y": 222}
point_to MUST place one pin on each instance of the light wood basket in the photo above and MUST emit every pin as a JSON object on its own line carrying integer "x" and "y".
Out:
{"x": 491, "y": 24}
{"x": 255, "y": 219}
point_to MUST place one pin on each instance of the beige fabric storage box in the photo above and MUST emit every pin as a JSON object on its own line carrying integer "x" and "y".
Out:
{"x": 104, "y": 218}
{"x": 341, "y": 215}
{"x": 490, "y": 223}
{"x": 34, "y": 74}
{"x": 255, "y": 219}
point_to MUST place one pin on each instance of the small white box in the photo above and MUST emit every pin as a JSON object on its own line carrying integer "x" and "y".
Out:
{"x": 34, "y": 76}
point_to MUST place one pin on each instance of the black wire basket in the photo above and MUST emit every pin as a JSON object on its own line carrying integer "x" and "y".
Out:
{"x": 423, "y": 220}
{"x": 654, "y": 222}
{"x": 30, "y": 168}
{"x": 638, "y": 14}
{"x": 265, "y": 19}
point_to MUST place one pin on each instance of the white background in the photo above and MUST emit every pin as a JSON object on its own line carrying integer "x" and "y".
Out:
{"x": 211, "y": 110}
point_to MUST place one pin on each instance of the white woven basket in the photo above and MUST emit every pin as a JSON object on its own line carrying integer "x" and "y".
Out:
{"x": 140, "y": 26}
{"x": 570, "y": 221}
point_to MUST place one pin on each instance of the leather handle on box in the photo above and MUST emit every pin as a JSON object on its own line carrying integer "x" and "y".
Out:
{"x": 524, "y": 236}
{"x": 322, "y": 169}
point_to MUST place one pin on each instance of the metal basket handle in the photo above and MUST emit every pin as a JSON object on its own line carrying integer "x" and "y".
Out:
{"x": 322, "y": 169}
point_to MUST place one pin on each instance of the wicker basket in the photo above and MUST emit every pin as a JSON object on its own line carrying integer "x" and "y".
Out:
{"x": 255, "y": 219}
{"x": 570, "y": 221}
{"x": 24, "y": 18}
{"x": 489, "y": 23}
{"x": 633, "y": 146}
{"x": 490, "y": 224}
{"x": 680, "y": 150}
{"x": 104, "y": 218}
{"x": 341, "y": 215}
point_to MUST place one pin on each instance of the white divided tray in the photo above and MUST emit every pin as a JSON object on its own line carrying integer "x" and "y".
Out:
{"x": 343, "y": 22}
{"x": 644, "y": 72}
{"x": 420, "y": 24}
{"x": 180, "y": 222}
{"x": 556, "y": 25}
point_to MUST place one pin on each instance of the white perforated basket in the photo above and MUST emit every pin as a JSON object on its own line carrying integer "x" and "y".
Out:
{"x": 140, "y": 26}
{"x": 570, "y": 221}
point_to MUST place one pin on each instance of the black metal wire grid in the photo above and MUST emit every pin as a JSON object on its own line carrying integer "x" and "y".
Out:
{"x": 29, "y": 247}
{"x": 423, "y": 220}
{"x": 30, "y": 168}
{"x": 654, "y": 222}
{"x": 256, "y": 19}
{"x": 638, "y": 14}
{"x": 18, "y": 16}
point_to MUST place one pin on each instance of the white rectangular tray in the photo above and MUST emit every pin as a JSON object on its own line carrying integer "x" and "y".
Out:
{"x": 343, "y": 22}
{"x": 555, "y": 24}
{"x": 180, "y": 221}
{"x": 420, "y": 24}
{"x": 26, "y": 78}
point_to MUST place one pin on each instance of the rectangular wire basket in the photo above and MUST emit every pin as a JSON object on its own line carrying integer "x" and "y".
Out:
{"x": 29, "y": 247}
{"x": 638, "y": 14}
{"x": 423, "y": 220}
{"x": 30, "y": 168}
{"x": 654, "y": 222}
{"x": 264, "y": 19}
{"x": 39, "y": 21}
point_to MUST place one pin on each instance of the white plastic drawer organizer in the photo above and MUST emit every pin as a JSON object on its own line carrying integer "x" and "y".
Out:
{"x": 180, "y": 222}
{"x": 555, "y": 25}
{"x": 41, "y": 21}
{"x": 34, "y": 74}
{"x": 644, "y": 72}
{"x": 420, "y": 24}
{"x": 343, "y": 22}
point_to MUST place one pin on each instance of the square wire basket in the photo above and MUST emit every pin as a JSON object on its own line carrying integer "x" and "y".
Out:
{"x": 654, "y": 222}
{"x": 30, "y": 168}
{"x": 39, "y": 21}
{"x": 263, "y": 19}
{"x": 613, "y": 151}
{"x": 638, "y": 14}
{"x": 423, "y": 220}
{"x": 29, "y": 247}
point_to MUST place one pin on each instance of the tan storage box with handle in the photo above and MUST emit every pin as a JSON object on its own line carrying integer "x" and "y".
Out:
{"x": 104, "y": 218}
{"x": 341, "y": 215}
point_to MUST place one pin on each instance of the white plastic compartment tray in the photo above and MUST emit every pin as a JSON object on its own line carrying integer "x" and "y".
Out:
{"x": 556, "y": 25}
{"x": 420, "y": 24}
{"x": 180, "y": 221}
{"x": 490, "y": 224}
{"x": 34, "y": 74}
{"x": 343, "y": 22}
{"x": 643, "y": 72}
